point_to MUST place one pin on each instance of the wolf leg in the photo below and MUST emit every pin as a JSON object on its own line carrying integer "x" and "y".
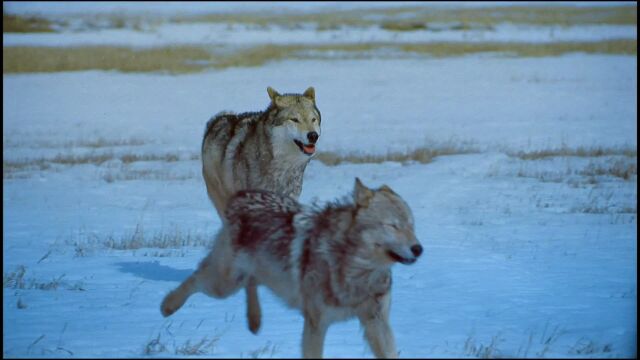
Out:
{"x": 380, "y": 338}
{"x": 175, "y": 299}
{"x": 253, "y": 306}
{"x": 216, "y": 276}
{"x": 313, "y": 338}
{"x": 377, "y": 330}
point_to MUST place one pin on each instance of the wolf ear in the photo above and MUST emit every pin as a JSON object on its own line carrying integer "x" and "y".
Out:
{"x": 310, "y": 93}
{"x": 273, "y": 94}
{"x": 387, "y": 189}
{"x": 361, "y": 193}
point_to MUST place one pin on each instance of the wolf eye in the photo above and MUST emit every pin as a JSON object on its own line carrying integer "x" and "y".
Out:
{"x": 392, "y": 226}
{"x": 313, "y": 120}
{"x": 294, "y": 120}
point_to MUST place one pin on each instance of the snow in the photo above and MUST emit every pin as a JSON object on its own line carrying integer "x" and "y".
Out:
{"x": 154, "y": 32}
{"x": 523, "y": 258}
{"x": 514, "y": 103}
{"x": 190, "y": 7}
{"x": 495, "y": 264}
{"x": 239, "y": 35}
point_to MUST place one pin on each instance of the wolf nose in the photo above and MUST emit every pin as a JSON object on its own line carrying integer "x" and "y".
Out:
{"x": 416, "y": 250}
{"x": 312, "y": 136}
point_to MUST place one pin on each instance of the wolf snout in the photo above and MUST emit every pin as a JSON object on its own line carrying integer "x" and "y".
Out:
{"x": 416, "y": 250}
{"x": 312, "y": 136}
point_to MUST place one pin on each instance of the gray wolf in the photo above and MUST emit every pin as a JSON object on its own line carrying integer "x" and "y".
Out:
{"x": 332, "y": 263}
{"x": 267, "y": 150}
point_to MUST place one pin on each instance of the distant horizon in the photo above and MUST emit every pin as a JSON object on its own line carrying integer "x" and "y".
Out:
{"x": 160, "y": 7}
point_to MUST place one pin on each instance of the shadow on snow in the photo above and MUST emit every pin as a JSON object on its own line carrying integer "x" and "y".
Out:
{"x": 153, "y": 271}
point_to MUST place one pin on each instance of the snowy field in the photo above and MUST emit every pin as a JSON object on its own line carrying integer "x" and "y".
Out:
{"x": 529, "y": 229}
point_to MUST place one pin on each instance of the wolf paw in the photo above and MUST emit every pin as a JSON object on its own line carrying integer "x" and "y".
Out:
{"x": 170, "y": 304}
{"x": 254, "y": 324}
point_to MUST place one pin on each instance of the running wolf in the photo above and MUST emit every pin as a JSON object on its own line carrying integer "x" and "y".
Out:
{"x": 266, "y": 150}
{"x": 332, "y": 263}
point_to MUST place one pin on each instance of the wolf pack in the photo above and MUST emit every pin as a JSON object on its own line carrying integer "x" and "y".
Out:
{"x": 331, "y": 262}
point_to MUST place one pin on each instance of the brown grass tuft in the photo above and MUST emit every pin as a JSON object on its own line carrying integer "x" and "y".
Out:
{"x": 174, "y": 59}
{"x": 22, "y": 24}
{"x": 421, "y": 155}
{"x": 580, "y": 151}
{"x": 185, "y": 59}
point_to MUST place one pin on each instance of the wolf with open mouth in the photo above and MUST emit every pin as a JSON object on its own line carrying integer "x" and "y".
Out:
{"x": 266, "y": 150}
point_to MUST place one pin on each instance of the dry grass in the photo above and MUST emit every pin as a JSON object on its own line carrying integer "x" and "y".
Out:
{"x": 587, "y": 175}
{"x": 588, "y": 347}
{"x": 421, "y": 155}
{"x": 85, "y": 244}
{"x": 516, "y": 49}
{"x": 120, "y": 170}
{"x": 185, "y": 59}
{"x": 618, "y": 168}
{"x": 95, "y": 143}
{"x": 154, "y": 346}
{"x": 268, "y": 350}
{"x": 129, "y": 158}
{"x": 174, "y": 59}
{"x": 68, "y": 159}
{"x": 25, "y": 168}
{"x": 203, "y": 347}
{"x": 102, "y": 142}
{"x": 483, "y": 351}
{"x": 598, "y": 164}
{"x": 22, "y": 24}
{"x": 17, "y": 280}
{"x": 603, "y": 202}
{"x": 580, "y": 151}
{"x": 394, "y": 18}
{"x": 174, "y": 239}
{"x": 12, "y": 166}
{"x": 557, "y": 15}
{"x": 125, "y": 173}
{"x": 404, "y": 25}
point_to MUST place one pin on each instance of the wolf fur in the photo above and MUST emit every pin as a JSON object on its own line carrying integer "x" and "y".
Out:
{"x": 267, "y": 150}
{"x": 332, "y": 263}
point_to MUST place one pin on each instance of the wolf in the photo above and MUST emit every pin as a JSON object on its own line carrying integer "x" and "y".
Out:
{"x": 332, "y": 263}
{"x": 267, "y": 150}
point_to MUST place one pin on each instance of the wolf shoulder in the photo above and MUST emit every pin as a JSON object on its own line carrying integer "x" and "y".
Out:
{"x": 225, "y": 124}
{"x": 262, "y": 202}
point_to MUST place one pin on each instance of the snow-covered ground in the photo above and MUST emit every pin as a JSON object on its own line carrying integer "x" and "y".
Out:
{"x": 523, "y": 258}
{"x": 48, "y": 8}
{"x": 520, "y": 103}
{"x": 154, "y": 29}
{"x": 240, "y": 35}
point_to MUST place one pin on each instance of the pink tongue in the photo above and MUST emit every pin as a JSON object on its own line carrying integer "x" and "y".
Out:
{"x": 309, "y": 149}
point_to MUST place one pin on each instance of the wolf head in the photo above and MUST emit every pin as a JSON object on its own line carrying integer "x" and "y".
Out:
{"x": 387, "y": 225}
{"x": 296, "y": 121}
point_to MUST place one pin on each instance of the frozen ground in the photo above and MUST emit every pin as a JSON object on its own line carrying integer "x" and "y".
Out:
{"x": 105, "y": 210}
{"x": 152, "y": 28}
{"x": 173, "y": 7}
{"x": 522, "y": 103}
{"x": 523, "y": 257}
{"x": 239, "y": 35}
